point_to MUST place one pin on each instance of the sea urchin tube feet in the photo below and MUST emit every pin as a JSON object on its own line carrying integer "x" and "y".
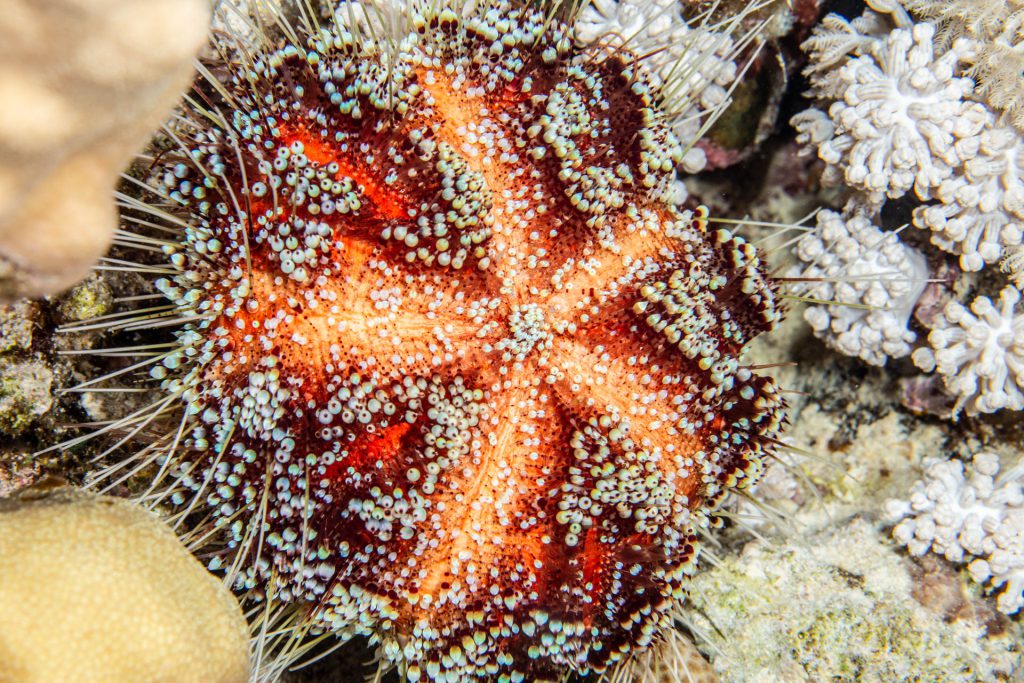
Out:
{"x": 457, "y": 375}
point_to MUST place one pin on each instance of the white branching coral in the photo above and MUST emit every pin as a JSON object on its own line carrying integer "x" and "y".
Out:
{"x": 899, "y": 115}
{"x": 990, "y": 37}
{"x": 903, "y": 114}
{"x": 873, "y": 279}
{"x": 696, "y": 63}
{"x": 833, "y": 40}
{"x": 975, "y": 516}
{"x": 981, "y": 207}
{"x": 979, "y": 352}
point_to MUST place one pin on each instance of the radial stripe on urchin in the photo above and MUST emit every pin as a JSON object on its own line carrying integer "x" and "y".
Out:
{"x": 451, "y": 369}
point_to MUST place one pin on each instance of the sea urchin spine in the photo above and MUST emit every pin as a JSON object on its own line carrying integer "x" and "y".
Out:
{"x": 459, "y": 374}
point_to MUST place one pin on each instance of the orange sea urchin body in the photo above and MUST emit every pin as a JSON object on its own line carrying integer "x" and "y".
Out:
{"x": 461, "y": 377}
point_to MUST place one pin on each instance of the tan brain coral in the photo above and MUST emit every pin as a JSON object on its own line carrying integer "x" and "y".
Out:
{"x": 84, "y": 83}
{"x": 97, "y": 590}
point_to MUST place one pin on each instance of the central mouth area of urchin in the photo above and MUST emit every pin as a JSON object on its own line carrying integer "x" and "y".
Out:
{"x": 528, "y": 330}
{"x": 459, "y": 375}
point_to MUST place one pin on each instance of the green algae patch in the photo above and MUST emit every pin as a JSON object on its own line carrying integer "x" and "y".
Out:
{"x": 17, "y": 322}
{"x": 15, "y": 408}
{"x": 88, "y": 299}
{"x": 25, "y": 395}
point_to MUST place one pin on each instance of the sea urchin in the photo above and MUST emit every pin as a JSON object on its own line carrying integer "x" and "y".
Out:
{"x": 457, "y": 373}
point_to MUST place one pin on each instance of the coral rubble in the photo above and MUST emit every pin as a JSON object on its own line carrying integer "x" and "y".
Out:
{"x": 836, "y": 606}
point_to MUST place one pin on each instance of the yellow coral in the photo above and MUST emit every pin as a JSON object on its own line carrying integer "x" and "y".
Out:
{"x": 96, "y": 590}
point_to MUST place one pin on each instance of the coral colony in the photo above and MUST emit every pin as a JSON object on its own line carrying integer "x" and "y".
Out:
{"x": 920, "y": 101}
{"x": 456, "y": 371}
{"x": 906, "y": 119}
{"x": 960, "y": 517}
{"x": 851, "y": 260}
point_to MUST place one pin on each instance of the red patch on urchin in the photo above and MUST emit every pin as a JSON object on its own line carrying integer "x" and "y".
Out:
{"x": 490, "y": 377}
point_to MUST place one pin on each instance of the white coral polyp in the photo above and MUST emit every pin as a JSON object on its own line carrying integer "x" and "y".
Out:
{"x": 874, "y": 279}
{"x": 627, "y": 21}
{"x": 899, "y": 117}
{"x": 961, "y": 517}
{"x": 1004, "y": 567}
{"x": 834, "y": 39}
{"x": 982, "y": 209}
{"x": 375, "y": 17}
{"x": 979, "y": 353}
{"x": 697, "y": 60}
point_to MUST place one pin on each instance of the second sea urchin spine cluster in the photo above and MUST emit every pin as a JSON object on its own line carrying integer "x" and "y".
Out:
{"x": 456, "y": 372}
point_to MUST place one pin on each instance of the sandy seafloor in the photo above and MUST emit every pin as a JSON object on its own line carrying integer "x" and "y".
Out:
{"x": 820, "y": 594}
